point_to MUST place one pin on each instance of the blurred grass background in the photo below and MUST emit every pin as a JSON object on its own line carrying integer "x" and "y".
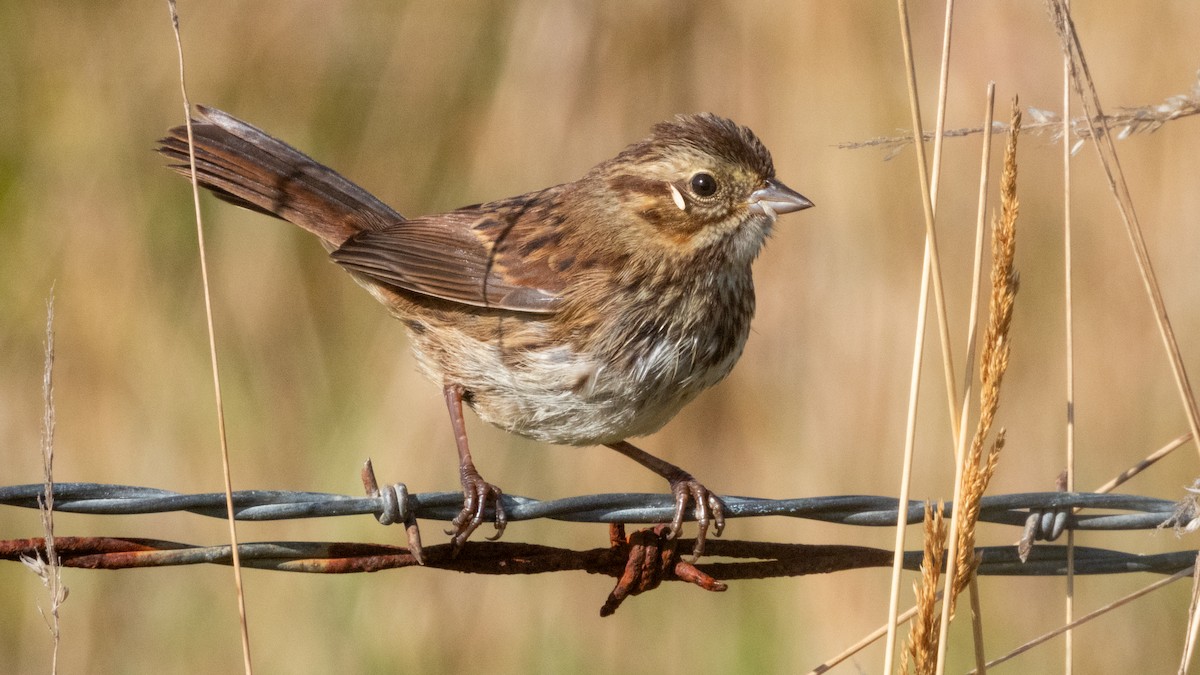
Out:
{"x": 435, "y": 105}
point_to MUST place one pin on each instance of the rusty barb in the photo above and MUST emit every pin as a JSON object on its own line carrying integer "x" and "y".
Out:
{"x": 639, "y": 562}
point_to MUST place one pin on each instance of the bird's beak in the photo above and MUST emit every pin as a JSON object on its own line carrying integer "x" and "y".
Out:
{"x": 775, "y": 198}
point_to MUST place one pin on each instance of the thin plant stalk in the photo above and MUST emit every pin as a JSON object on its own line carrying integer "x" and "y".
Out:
{"x": 58, "y": 592}
{"x": 971, "y": 478}
{"x": 865, "y": 642}
{"x": 1106, "y": 150}
{"x": 1145, "y": 463}
{"x": 1069, "y": 329}
{"x": 930, "y": 270}
{"x": 50, "y": 569}
{"x": 1121, "y": 602}
{"x": 1189, "y": 647}
{"x": 910, "y": 434}
{"x": 1143, "y": 119}
{"x": 212, "y": 350}
{"x": 972, "y": 331}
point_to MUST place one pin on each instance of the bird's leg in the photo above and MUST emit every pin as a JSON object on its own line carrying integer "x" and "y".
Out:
{"x": 685, "y": 488}
{"x": 477, "y": 493}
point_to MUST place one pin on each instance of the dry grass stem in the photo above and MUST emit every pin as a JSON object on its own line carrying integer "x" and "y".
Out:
{"x": 212, "y": 350}
{"x": 865, "y": 642}
{"x": 1107, "y": 153}
{"x": 939, "y": 123}
{"x": 931, "y": 272}
{"x": 922, "y": 647}
{"x": 977, "y": 625}
{"x": 1125, "y": 122}
{"x": 1145, "y": 463}
{"x": 993, "y": 362}
{"x": 1120, "y": 602}
{"x": 1106, "y": 150}
{"x": 976, "y": 468}
{"x": 49, "y": 570}
{"x": 1189, "y": 647}
{"x": 1069, "y": 358}
{"x": 972, "y": 341}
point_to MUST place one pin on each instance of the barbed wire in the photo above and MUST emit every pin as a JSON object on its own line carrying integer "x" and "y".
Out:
{"x": 864, "y": 510}
{"x": 639, "y": 562}
{"x": 771, "y": 559}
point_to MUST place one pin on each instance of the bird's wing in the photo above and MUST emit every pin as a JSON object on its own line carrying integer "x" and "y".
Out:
{"x": 499, "y": 258}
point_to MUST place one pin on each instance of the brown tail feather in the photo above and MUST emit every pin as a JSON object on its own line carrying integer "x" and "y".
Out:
{"x": 243, "y": 165}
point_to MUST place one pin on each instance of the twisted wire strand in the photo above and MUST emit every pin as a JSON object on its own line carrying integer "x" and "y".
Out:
{"x": 747, "y": 559}
{"x": 1140, "y": 512}
{"x": 767, "y": 559}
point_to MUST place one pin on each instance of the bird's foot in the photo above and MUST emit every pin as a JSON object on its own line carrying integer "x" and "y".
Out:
{"x": 478, "y": 494}
{"x": 709, "y": 509}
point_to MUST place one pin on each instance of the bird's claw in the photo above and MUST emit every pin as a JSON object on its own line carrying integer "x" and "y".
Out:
{"x": 478, "y": 494}
{"x": 709, "y": 510}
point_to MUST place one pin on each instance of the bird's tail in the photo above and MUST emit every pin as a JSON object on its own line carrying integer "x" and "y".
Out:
{"x": 243, "y": 165}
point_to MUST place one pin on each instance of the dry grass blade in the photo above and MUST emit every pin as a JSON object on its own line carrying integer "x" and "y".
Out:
{"x": 922, "y": 647}
{"x": 972, "y": 343}
{"x": 1145, "y": 463}
{"x": 931, "y": 272}
{"x": 1099, "y": 128}
{"x": 1069, "y": 358}
{"x": 1107, "y": 152}
{"x": 862, "y": 644}
{"x": 1193, "y": 626}
{"x": 212, "y": 350}
{"x": 899, "y": 618}
{"x": 1121, "y": 602}
{"x": 1189, "y": 647}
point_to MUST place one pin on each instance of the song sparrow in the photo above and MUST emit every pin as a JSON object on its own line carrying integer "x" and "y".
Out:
{"x": 585, "y": 313}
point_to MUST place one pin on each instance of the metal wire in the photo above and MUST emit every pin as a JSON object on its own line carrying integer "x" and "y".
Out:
{"x": 1141, "y": 513}
{"x": 757, "y": 559}
{"x": 639, "y": 562}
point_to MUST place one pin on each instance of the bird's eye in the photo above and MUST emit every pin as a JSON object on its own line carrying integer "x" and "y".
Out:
{"x": 704, "y": 185}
